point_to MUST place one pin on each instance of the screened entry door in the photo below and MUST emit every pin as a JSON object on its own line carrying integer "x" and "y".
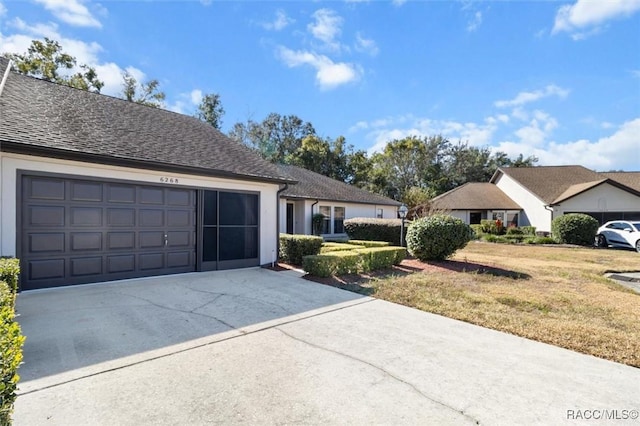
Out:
{"x": 229, "y": 230}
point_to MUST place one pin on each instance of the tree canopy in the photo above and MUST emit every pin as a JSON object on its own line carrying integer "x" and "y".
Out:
{"x": 46, "y": 60}
{"x": 143, "y": 93}
{"x": 210, "y": 110}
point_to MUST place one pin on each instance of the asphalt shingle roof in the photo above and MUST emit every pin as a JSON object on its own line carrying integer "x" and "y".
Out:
{"x": 475, "y": 196}
{"x": 315, "y": 186}
{"x": 550, "y": 182}
{"x": 554, "y": 184}
{"x": 38, "y": 114}
{"x": 630, "y": 179}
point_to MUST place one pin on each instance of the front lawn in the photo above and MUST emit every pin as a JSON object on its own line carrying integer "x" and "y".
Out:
{"x": 557, "y": 295}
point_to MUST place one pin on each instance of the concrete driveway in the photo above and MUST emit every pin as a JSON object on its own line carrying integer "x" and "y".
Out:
{"x": 260, "y": 347}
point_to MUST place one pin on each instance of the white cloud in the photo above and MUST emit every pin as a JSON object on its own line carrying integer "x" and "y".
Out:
{"x": 3, "y": 10}
{"x": 366, "y": 45}
{"x": 398, "y": 3}
{"x": 72, "y": 12}
{"x": 326, "y": 27}
{"x": 475, "y": 22}
{"x": 585, "y": 14}
{"x": 527, "y": 97}
{"x": 280, "y": 22}
{"x": 384, "y": 130}
{"x": 196, "y": 96}
{"x": 618, "y": 151}
{"x": 329, "y": 74}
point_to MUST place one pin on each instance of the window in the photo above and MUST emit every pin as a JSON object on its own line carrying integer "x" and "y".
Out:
{"x": 512, "y": 220}
{"x": 338, "y": 220}
{"x": 326, "y": 223}
{"x": 379, "y": 213}
{"x": 498, "y": 216}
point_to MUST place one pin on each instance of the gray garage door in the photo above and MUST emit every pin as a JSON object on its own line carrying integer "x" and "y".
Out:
{"x": 82, "y": 231}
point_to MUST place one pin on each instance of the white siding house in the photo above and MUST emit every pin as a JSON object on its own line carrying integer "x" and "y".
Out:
{"x": 337, "y": 201}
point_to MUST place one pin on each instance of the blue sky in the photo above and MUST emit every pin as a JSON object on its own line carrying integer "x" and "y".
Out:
{"x": 558, "y": 80}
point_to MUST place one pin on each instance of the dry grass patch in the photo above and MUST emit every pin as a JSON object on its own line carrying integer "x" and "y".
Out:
{"x": 556, "y": 295}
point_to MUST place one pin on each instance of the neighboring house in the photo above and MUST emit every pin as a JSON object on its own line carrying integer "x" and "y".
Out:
{"x": 540, "y": 194}
{"x": 96, "y": 188}
{"x": 337, "y": 201}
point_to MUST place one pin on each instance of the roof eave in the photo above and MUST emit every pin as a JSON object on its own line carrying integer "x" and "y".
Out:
{"x": 26, "y": 149}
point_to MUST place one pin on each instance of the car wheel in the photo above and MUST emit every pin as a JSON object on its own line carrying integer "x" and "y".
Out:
{"x": 601, "y": 241}
{"x": 638, "y": 246}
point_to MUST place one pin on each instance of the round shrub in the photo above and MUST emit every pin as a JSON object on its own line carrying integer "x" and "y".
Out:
{"x": 575, "y": 228}
{"x": 437, "y": 237}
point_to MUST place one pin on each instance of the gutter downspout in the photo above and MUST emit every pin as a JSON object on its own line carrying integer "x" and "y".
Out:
{"x": 311, "y": 218}
{"x": 277, "y": 254}
{"x": 549, "y": 208}
{"x": 5, "y": 76}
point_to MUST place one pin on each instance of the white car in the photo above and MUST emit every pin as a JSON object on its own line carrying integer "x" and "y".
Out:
{"x": 619, "y": 233}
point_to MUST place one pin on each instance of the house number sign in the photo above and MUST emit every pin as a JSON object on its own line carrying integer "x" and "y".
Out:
{"x": 165, "y": 179}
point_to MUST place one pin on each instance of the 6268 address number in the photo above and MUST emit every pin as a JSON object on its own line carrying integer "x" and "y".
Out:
{"x": 165, "y": 179}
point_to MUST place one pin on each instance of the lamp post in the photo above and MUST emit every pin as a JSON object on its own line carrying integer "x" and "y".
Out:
{"x": 402, "y": 211}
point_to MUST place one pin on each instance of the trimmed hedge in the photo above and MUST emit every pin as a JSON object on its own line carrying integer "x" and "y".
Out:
{"x": 375, "y": 258}
{"x": 370, "y": 243}
{"x": 575, "y": 228}
{"x": 528, "y": 230}
{"x": 11, "y": 339}
{"x": 437, "y": 237}
{"x": 331, "y": 247}
{"x": 9, "y": 272}
{"x": 371, "y": 229}
{"x": 353, "y": 261}
{"x": 294, "y": 247}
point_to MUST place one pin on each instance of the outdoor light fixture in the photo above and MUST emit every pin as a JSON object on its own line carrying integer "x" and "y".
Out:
{"x": 402, "y": 211}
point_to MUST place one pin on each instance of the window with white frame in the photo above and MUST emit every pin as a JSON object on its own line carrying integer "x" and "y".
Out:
{"x": 338, "y": 220}
{"x": 326, "y": 222}
{"x": 379, "y": 213}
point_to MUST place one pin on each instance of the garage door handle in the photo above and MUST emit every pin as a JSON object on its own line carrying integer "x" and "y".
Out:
{"x": 166, "y": 240}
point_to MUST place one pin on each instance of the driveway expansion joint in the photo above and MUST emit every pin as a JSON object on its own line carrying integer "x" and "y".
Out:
{"x": 381, "y": 369}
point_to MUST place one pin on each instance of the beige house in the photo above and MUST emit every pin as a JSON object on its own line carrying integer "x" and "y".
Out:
{"x": 537, "y": 195}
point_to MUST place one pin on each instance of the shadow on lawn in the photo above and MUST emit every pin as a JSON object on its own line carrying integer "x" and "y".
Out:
{"x": 469, "y": 267}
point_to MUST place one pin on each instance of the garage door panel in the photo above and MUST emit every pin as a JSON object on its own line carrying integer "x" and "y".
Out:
{"x": 151, "y": 239}
{"x": 45, "y": 216}
{"x": 46, "y": 189}
{"x": 121, "y": 263}
{"x": 46, "y": 242}
{"x": 151, "y": 261}
{"x": 151, "y": 218}
{"x": 179, "y": 259}
{"x": 179, "y": 239}
{"x": 117, "y": 193}
{"x": 179, "y": 197}
{"x": 121, "y": 240}
{"x": 86, "y": 191}
{"x": 86, "y": 241}
{"x": 86, "y": 216}
{"x": 151, "y": 195}
{"x": 100, "y": 231}
{"x": 121, "y": 217}
{"x": 86, "y": 266}
{"x": 179, "y": 218}
{"x": 46, "y": 269}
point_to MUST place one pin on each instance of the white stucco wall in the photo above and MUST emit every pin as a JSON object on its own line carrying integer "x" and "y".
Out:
{"x": 602, "y": 198}
{"x": 11, "y": 163}
{"x": 304, "y": 209}
{"x": 534, "y": 212}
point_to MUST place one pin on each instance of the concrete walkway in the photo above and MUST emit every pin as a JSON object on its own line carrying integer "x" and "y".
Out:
{"x": 260, "y": 347}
